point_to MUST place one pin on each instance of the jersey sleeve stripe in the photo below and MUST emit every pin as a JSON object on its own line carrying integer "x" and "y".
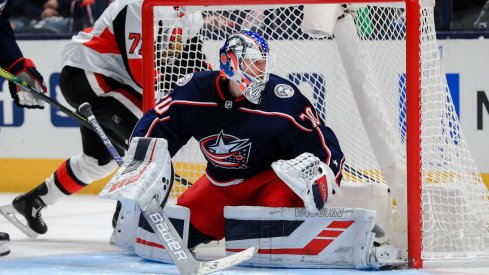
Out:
{"x": 165, "y": 101}
{"x": 152, "y": 126}
{"x": 323, "y": 143}
{"x": 223, "y": 183}
{"x": 193, "y": 103}
{"x": 162, "y": 107}
{"x": 302, "y": 128}
{"x": 339, "y": 174}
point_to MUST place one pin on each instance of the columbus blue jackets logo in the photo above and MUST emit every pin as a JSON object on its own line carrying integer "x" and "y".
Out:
{"x": 226, "y": 151}
{"x": 184, "y": 80}
{"x": 284, "y": 91}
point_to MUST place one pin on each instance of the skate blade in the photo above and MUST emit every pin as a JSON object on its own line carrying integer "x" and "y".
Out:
{"x": 396, "y": 264}
{"x": 9, "y": 212}
{"x": 4, "y": 248}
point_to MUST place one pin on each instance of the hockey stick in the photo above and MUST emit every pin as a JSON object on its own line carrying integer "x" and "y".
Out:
{"x": 86, "y": 110}
{"x": 21, "y": 83}
{"x": 179, "y": 253}
{"x": 163, "y": 228}
{"x": 82, "y": 120}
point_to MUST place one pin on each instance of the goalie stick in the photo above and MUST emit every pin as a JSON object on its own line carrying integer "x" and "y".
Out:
{"x": 161, "y": 225}
{"x": 82, "y": 120}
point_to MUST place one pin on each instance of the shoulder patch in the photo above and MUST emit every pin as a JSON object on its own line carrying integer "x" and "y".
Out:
{"x": 284, "y": 91}
{"x": 184, "y": 80}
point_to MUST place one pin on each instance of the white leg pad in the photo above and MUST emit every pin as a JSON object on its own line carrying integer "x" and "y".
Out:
{"x": 147, "y": 244}
{"x": 293, "y": 237}
{"x": 124, "y": 233}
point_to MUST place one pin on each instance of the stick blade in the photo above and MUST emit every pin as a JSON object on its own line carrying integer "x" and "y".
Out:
{"x": 226, "y": 262}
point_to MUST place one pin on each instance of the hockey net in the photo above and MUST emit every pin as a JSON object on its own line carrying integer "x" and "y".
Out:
{"x": 357, "y": 82}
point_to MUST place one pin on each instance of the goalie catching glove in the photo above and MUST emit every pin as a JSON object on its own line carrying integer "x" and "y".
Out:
{"x": 147, "y": 173}
{"x": 25, "y": 69}
{"x": 309, "y": 178}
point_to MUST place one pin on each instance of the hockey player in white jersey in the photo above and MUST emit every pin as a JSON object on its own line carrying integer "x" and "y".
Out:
{"x": 102, "y": 66}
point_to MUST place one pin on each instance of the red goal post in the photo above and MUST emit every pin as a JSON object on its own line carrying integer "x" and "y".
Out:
{"x": 417, "y": 201}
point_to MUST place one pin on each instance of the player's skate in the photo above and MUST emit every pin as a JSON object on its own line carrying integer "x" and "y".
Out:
{"x": 4, "y": 244}
{"x": 384, "y": 257}
{"x": 28, "y": 205}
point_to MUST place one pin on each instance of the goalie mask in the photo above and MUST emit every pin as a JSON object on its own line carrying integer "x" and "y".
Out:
{"x": 245, "y": 59}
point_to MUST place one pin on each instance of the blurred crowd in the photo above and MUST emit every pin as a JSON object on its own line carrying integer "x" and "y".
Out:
{"x": 71, "y": 16}
{"x": 54, "y": 16}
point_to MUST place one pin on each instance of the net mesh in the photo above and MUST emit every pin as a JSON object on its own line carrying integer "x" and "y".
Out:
{"x": 371, "y": 128}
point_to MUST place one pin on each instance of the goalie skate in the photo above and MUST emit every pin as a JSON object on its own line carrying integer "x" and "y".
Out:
{"x": 385, "y": 257}
{"x": 4, "y": 244}
{"x": 9, "y": 212}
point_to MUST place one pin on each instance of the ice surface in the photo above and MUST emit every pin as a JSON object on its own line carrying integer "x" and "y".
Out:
{"x": 77, "y": 243}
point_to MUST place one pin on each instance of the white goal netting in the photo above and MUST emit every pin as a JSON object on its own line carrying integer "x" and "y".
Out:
{"x": 357, "y": 83}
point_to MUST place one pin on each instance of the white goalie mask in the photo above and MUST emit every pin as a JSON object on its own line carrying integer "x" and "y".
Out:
{"x": 245, "y": 58}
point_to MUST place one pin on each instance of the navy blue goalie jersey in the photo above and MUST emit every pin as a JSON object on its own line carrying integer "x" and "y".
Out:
{"x": 9, "y": 50}
{"x": 239, "y": 138}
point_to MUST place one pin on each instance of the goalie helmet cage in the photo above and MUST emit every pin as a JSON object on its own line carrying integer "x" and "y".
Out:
{"x": 378, "y": 83}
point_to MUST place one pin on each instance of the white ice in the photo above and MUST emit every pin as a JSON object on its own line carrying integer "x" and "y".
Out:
{"x": 77, "y": 243}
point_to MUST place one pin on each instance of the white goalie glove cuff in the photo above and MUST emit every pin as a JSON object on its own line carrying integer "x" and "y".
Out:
{"x": 311, "y": 179}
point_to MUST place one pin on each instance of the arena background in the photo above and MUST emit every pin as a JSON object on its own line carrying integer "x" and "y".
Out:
{"x": 34, "y": 142}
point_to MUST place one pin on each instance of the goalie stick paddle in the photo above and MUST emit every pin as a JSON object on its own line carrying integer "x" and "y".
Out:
{"x": 163, "y": 228}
